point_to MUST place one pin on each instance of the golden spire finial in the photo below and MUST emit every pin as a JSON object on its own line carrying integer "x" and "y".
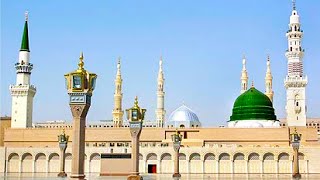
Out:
{"x": 136, "y": 102}
{"x": 26, "y": 14}
{"x": 81, "y": 63}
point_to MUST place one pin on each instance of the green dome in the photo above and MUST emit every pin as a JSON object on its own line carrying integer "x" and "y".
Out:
{"x": 252, "y": 105}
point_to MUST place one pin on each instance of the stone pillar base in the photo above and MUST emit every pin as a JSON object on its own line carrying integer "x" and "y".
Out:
{"x": 134, "y": 177}
{"x": 297, "y": 176}
{"x": 176, "y": 175}
{"x": 62, "y": 174}
{"x": 77, "y": 176}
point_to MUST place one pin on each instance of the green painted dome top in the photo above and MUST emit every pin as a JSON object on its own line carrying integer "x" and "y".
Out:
{"x": 252, "y": 105}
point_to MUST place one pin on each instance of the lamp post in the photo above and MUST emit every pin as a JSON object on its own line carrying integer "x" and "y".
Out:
{"x": 63, "y": 143}
{"x": 295, "y": 141}
{"x": 135, "y": 116}
{"x": 80, "y": 84}
{"x": 176, "y": 139}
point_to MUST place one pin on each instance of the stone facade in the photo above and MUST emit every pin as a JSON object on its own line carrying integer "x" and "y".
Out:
{"x": 205, "y": 150}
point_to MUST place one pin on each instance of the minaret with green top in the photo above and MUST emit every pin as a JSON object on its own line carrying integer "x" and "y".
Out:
{"x": 23, "y": 92}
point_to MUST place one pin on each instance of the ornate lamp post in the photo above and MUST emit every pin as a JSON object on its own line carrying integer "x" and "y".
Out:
{"x": 295, "y": 141}
{"x": 63, "y": 143}
{"x": 176, "y": 139}
{"x": 80, "y": 84}
{"x": 135, "y": 116}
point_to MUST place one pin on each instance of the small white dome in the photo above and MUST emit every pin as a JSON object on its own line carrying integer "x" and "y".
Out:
{"x": 183, "y": 117}
{"x": 183, "y": 113}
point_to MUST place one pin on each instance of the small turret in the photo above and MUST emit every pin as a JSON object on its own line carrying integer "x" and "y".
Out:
{"x": 117, "y": 112}
{"x": 160, "y": 112}
{"x": 268, "y": 81}
{"x": 244, "y": 76}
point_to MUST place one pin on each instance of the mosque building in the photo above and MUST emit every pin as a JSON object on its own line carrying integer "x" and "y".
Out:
{"x": 255, "y": 141}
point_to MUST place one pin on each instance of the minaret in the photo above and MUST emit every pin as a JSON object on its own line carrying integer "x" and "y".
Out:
{"x": 295, "y": 81}
{"x": 244, "y": 76}
{"x": 117, "y": 111}
{"x": 23, "y": 92}
{"x": 268, "y": 81}
{"x": 160, "y": 112}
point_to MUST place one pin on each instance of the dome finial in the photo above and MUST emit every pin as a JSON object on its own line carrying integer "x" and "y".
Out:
{"x": 294, "y": 4}
{"x": 252, "y": 84}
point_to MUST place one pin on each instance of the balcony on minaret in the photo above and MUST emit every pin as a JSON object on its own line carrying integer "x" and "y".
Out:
{"x": 23, "y": 67}
{"x": 298, "y": 81}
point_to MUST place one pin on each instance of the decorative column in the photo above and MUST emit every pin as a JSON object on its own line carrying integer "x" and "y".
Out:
{"x": 247, "y": 166}
{"x": 34, "y": 165}
{"x": 47, "y": 165}
{"x": 295, "y": 141}
{"x": 176, "y": 139}
{"x": 203, "y": 166}
{"x": 135, "y": 116}
{"x": 217, "y": 166}
{"x": 80, "y": 85}
{"x": 232, "y": 166}
{"x": 63, "y": 143}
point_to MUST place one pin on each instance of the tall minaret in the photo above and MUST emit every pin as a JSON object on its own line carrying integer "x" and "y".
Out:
{"x": 244, "y": 76}
{"x": 23, "y": 92}
{"x": 268, "y": 81}
{"x": 295, "y": 81}
{"x": 160, "y": 112}
{"x": 117, "y": 111}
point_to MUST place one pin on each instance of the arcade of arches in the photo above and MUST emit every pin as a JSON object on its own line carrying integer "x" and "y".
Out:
{"x": 161, "y": 161}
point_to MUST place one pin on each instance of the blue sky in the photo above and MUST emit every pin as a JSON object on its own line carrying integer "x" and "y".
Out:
{"x": 202, "y": 43}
